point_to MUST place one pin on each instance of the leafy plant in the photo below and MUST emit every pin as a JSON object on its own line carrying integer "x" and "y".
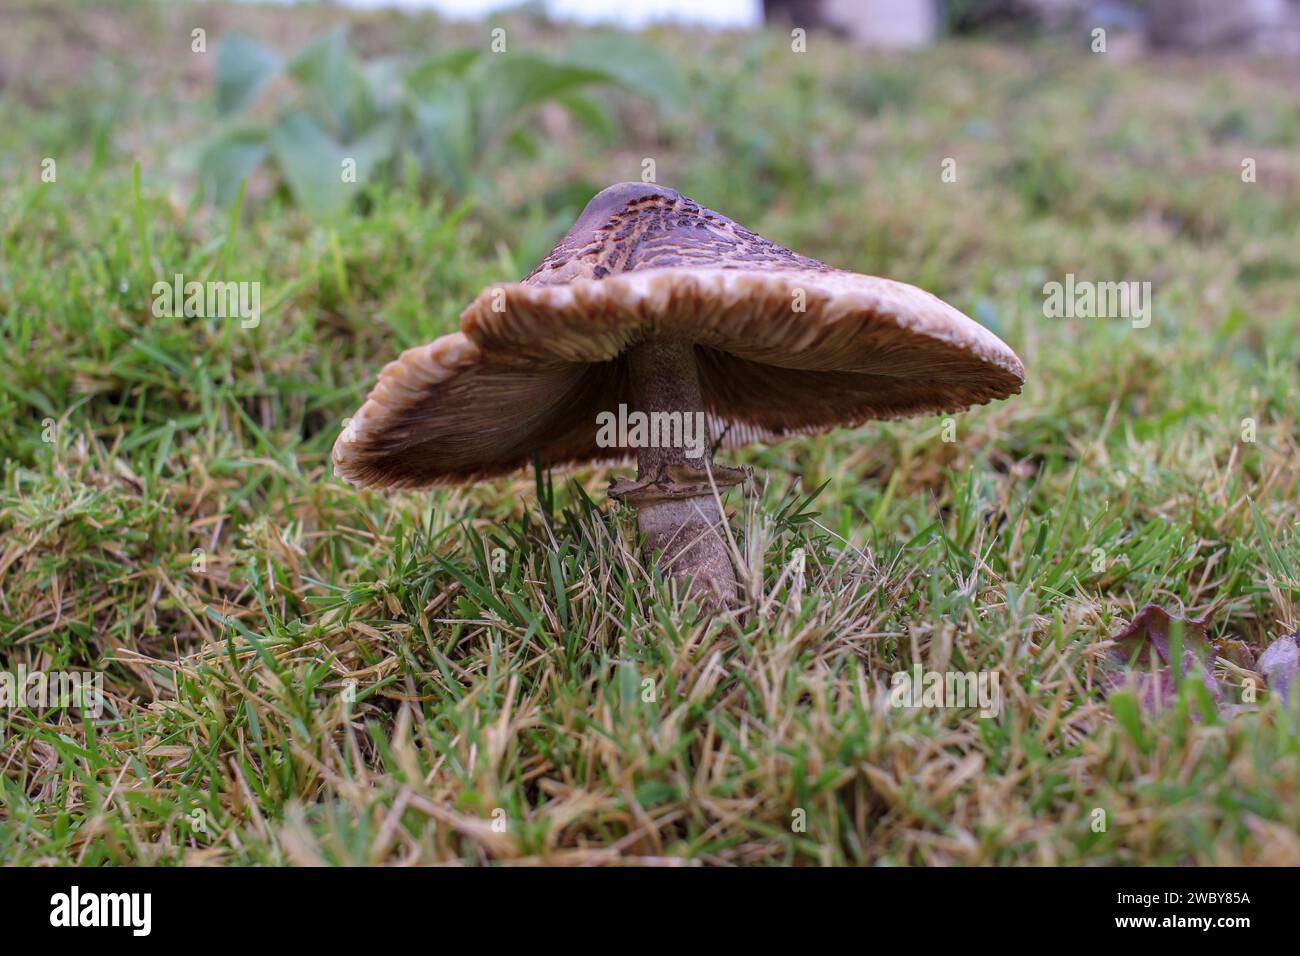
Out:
{"x": 339, "y": 122}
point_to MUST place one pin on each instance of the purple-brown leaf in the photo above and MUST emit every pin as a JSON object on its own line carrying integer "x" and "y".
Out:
{"x": 1142, "y": 658}
{"x": 1279, "y": 663}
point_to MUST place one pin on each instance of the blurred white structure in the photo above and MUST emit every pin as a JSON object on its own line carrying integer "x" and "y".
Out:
{"x": 624, "y": 13}
{"x": 881, "y": 23}
{"x": 887, "y": 23}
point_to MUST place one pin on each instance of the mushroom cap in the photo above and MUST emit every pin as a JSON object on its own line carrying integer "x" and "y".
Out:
{"x": 784, "y": 345}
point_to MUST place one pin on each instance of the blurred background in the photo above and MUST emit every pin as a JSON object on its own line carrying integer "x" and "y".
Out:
{"x": 742, "y": 99}
{"x": 747, "y": 103}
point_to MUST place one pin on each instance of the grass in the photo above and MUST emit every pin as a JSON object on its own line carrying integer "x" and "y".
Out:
{"x": 298, "y": 672}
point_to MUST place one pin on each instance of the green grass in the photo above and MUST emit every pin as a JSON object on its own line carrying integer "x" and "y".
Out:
{"x": 492, "y": 673}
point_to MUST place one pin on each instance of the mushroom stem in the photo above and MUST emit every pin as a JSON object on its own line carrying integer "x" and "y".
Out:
{"x": 677, "y": 507}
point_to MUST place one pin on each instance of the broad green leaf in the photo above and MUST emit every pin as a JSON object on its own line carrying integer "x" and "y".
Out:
{"x": 321, "y": 63}
{"x": 312, "y": 165}
{"x": 244, "y": 66}
{"x": 594, "y": 115}
{"x": 337, "y": 87}
{"x": 637, "y": 66}
{"x": 504, "y": 87}
{"x": 454, "y": 64}
{"x": 372, "y": 149}
{"x": 445, "y": 136}
{"x": 228, "y": 159}
{"x": 383, "y": 77}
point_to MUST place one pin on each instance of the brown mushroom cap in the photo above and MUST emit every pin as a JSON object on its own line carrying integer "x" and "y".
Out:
{"x": 784, "y": 344}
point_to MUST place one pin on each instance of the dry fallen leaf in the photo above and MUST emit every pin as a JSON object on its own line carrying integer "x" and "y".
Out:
{"x": 1278, "y": 664}
{"x": 1143, "y": 659}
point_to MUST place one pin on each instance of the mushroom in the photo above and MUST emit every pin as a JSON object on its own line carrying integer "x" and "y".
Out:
{"x": 655, "y": 316}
